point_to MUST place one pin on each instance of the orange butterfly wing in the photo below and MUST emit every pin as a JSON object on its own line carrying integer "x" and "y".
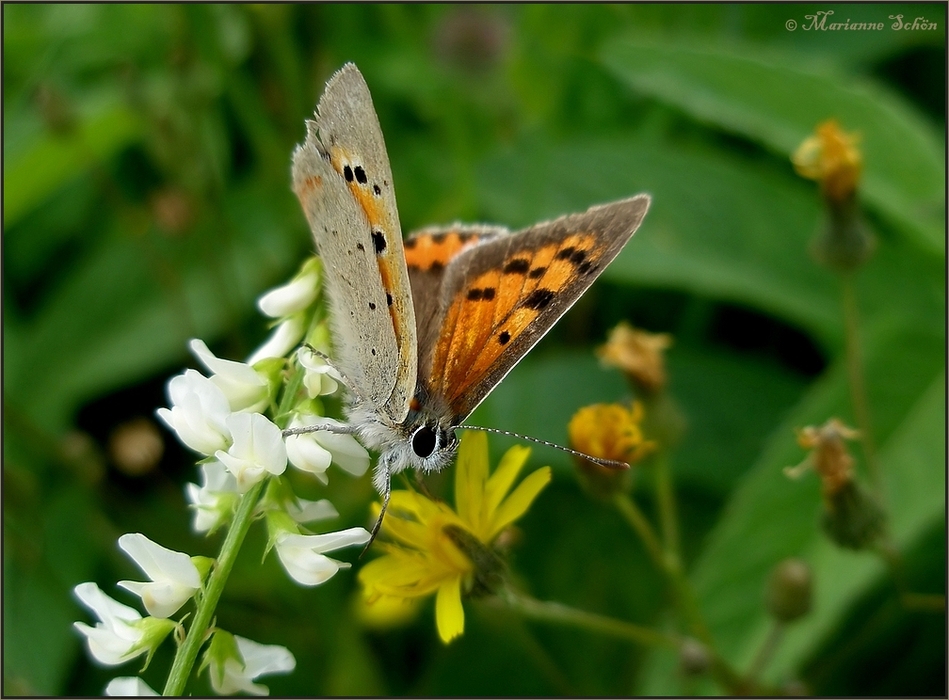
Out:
{"x": 501, "y": 294}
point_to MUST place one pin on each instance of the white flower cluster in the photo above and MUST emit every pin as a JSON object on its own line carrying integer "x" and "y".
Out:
{"x": 222, "y": 417}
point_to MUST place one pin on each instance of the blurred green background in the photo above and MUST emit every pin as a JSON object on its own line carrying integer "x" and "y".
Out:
{"x": 146, "y": 201}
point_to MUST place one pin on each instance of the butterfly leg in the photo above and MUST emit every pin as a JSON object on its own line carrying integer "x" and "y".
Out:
{"x": 333, "y": 427}
{"x": 386, "y": 492}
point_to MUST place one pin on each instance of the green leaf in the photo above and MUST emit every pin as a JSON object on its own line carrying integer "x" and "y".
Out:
{"x": 37, "y": 170}
{"x": 779, "y": 104}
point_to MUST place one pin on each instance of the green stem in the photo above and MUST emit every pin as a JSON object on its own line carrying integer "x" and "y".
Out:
{"x": 668, "y": 518}
{"x": 547, "y": 611}
{"x": 197, "y": 633}
{"x": 858, "y": 391}
{"x": 637, "y": 520}
{"x": 764, "y": 655}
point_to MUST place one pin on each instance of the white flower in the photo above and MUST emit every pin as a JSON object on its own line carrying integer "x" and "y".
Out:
{"x": 293, "y": 297}
{"x": 129, "y": 687}
{"x": 174, "y": 577}
{"x": 198, "y": 413}
{"x": 119, "y": 636}
{"x": 302, "y": 555}
{"x": 313, "y": 452}
{"x": 258, "y": 449}
{"x": 310, "y": 511}
{"x": 244, "y": 388}
{"x": 286, "y": 337}
{"x": 229, "y": 675}
{"x": 213, "y": 501}
{"x": 320, "y": 378}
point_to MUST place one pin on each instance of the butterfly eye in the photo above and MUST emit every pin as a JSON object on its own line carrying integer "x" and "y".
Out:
{"x": 424, "y": 441}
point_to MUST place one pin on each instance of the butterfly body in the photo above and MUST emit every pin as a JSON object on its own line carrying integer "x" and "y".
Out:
{"x": 426, "y": 328}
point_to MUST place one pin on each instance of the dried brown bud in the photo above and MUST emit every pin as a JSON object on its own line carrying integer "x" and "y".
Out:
{"x": 639, "y": 355}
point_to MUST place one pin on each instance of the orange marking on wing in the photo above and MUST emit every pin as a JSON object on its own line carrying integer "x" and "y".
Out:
{"x": 478, "y": 329}
{"x": 306, "y": 187}
{"x": 376, "y": 215}
{"x": 427, "y": 251}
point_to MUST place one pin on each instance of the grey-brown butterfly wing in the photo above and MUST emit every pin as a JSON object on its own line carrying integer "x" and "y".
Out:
{"x": 501, "y": 296}
{"x": 342, "y": 178}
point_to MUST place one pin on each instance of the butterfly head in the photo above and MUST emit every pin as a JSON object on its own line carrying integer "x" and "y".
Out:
{"x": 422, "y": 442}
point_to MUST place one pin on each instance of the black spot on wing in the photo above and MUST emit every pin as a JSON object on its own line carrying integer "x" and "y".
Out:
{"x": 388, "y": 299}
{"x": 379, "y": 241}
{"x": 538, "y": 299}
{"x": 537, "y": 272}
{"x": 565, "y": 253}
{"x": 504, "y": 337}
{"x": 372, "y": 306}
{"x": 376, "y": 190}
{"x": 348, "y": 173}
{"x": 360, "y": 246}
{"x": 360, "y": 175}
{"x": 478, "y": 294}
{"x": 517, "y": 266}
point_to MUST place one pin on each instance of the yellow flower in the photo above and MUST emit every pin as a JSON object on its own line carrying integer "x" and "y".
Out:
{"x": 434, "y": 549}
{"x": 608, "y": 431}
{"x": 832, "y": 158}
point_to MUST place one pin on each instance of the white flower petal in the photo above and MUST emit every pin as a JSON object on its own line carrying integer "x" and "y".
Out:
{"x": 209, "y": 502}
{"x": 310, "y": 511}
{"x": 160, "y": 563}
{"x": 291, "y": 298}
{"x": 244, "y": 388}
{"x": 306, "y": 454}
{"x": 258, "y": 660}
{"x": 198, "y": 413}
{"x": 129, "y": 687}
{"x": 115, "y": 639}
{"x": 258, "y": 449}
{"x": 320, "y": 378}
{"x": 302, "y": 555}
{"x": 286, "y": 337}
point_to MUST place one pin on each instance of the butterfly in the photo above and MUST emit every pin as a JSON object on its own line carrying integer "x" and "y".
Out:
{"x": 426, "y": 328}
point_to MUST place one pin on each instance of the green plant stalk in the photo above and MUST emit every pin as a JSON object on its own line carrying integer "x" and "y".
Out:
{"x": 858, "y": 390}
{"x": 547, "y": 611}
{"x": 197, "y": 633}
{"x": 668, "y": 516}
{"x": 634, "y": 516}
{"x": 764, "y": 655}
{"x": 669, "y": 566}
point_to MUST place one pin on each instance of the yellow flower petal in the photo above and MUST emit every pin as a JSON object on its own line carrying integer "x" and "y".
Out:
{"x": 449, "y": 615}
{"x": 471, "y": 475}
{"x": 519, "y": 501}
{"x": 500, "y": 482}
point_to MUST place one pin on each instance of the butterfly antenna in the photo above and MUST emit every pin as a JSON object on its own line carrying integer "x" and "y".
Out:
{"x": 382, "y": 513}
{"x": 608, "y": 463}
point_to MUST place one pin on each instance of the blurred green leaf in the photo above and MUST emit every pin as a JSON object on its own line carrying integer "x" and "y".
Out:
{"x": 771, "y": 517}
{"x": 40, "y": 168}
{"x": 779, "y": 105}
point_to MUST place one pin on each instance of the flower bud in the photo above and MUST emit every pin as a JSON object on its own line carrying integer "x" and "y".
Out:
{"x": 832, "y": 158}
{"x": 789, "y": 590}
{"x": 852, "y": 517}
{"x": 694, "y": 658}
